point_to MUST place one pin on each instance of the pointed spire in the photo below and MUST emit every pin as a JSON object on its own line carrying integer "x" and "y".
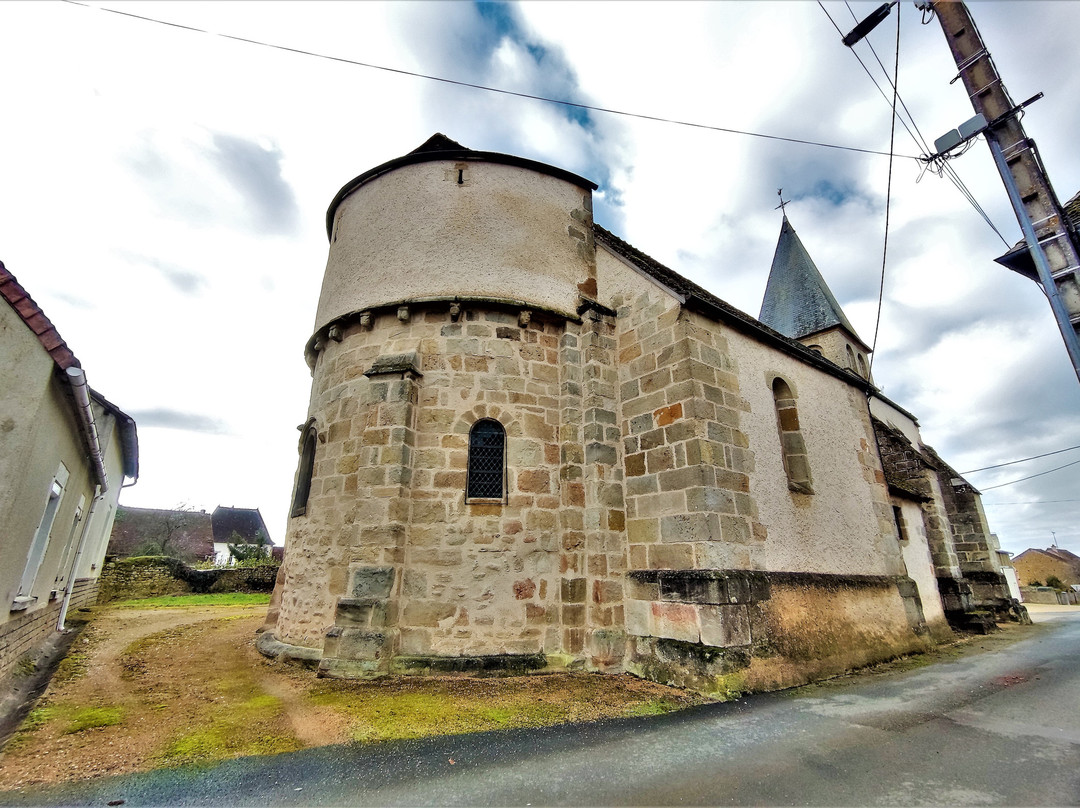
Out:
{"x": 797, "y": 300}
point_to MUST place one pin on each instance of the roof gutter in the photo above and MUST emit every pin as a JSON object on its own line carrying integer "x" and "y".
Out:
{"x": 77, "y": 379}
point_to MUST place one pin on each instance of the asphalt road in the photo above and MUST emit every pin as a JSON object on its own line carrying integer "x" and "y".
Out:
{"x": 999, "y": 728}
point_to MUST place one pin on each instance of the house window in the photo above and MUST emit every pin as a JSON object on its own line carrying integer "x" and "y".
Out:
{"x": 303, "y": 477}
{"x": 487, "y": 461}
{"x": 41, "y": 538}
{"x": 792, "y": 445}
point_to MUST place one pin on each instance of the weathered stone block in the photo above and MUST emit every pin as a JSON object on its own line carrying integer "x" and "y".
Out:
{"x": 724, "y": 626}
{"x": 676, "y": 621}
{"x": 689, "y": 527}
{"x": 427, "y": 613}
{"x": 370, "y": 582}
{"x": 573, "y": 590}
{"x": 600, "y": 453}
{"x": 670, "y": 556}
{"x": 357, "y": 643}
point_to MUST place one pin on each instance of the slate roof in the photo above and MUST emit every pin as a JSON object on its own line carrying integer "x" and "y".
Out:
{"x": 797, "y": 300}
{"x": 245, "y": 522}
{"x": 136, "y": 526}
{"x": 701, "y": 299}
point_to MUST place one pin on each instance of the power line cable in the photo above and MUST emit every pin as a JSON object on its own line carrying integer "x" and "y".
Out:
{"x": 920, "y": 141}
{"x": 457, "y": 83}
{"x": 945, "y": 168}
{"x": 1034, "y": 502}
{"x": 888, "y": 194}
{"x": 1032, "y": 477}
{"x": 1021, "y": 460}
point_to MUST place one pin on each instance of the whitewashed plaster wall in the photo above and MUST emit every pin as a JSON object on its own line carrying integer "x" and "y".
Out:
{"x": 415, "y": 233}
{"x": 837, "y": 528}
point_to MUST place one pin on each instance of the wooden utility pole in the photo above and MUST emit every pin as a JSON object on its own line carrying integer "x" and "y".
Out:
{"x": 1052, "y": 246}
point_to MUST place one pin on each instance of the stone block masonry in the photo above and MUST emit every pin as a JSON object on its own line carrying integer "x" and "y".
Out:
{"x": 687, "y": 463}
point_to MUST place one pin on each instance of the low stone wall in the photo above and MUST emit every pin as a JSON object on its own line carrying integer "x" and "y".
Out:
{"x": 1047, "y": 594}
{"x": 723, "y": 632}
{"x": 22, "y": 635}
{"x": 155, "y": 576}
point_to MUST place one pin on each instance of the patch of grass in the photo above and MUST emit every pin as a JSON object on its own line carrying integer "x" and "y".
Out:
{"x": 220, "y": 741}
{"x": 237, "y": 728}
{"x": 652, "y": 707}
{"x": 218, "y": 599}
{"x": 73, "y": 666}
{"x": 35, "y": 720}
{"x": 92, "y": 717}
{"x": 38, "y": 718}
{"x": 391, "y": 709}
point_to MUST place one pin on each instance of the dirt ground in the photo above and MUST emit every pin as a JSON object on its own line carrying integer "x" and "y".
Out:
{"x": 146, "y": 688}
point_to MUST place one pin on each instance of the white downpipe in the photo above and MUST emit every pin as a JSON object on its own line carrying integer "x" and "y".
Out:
{"x": 77, "y": 379}
{"x": 81, "y": 390}
{"x": 69, "y": 587}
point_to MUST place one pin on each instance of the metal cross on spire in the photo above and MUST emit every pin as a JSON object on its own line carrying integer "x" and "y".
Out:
{"x": 780, "y": 207}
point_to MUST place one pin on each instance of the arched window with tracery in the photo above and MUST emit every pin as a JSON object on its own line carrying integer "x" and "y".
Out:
{"x": 792, "y": 445}
{"x": 487, "y": 461}
{"x": 303, "y": 477}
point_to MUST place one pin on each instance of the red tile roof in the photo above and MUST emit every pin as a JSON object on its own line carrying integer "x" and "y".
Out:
{"x": 12, "y": 291}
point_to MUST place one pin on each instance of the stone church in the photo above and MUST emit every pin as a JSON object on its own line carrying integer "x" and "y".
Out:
{"x": 530, "y": 446}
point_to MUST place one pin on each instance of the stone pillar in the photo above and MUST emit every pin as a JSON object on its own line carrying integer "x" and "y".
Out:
{"x": 364, "y": 636}
{"x": 687, "y": 462}
{"x": 604, "y": 507}
{"x": 573, "y": 585}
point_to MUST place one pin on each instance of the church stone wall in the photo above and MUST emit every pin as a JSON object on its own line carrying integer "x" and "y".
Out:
{"x": 648, "y": 524}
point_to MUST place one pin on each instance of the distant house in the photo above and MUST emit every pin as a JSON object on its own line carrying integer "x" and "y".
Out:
{"x": 240, "y": 527}
{"x": 64, "y": 454}
{"x": 186, "y": 534}
{"x": 1038, "y": 565}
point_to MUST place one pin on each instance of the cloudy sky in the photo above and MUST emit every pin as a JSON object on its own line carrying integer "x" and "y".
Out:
{"x": 163, "y": 192}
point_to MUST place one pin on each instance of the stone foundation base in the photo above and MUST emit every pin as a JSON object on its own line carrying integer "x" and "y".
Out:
{"x": 270, "y": 646}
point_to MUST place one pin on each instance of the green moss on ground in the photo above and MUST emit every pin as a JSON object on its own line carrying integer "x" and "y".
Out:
{"x": 402, "y": 708}
{"x": 175, "y": 601}
{"x": 93, "y": 717}
{"x": 247, "y": 726}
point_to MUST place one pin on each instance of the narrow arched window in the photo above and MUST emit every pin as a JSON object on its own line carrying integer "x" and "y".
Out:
{"x": 303, "y": 477}
{"x": 792, "y": 445}
{"x": 850, "y": 357}
{"x": 487, "y": 461}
